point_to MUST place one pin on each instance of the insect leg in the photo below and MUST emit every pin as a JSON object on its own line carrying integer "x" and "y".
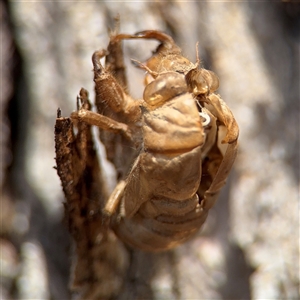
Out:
{"x": 101, "y": 121}
{"x": 110, "y": 93}
{"x": 225, "y": 116}
{"x": 114, "y": 200}
{"x": 83, "y": 114}
{"x": 165, "y": 39}
{"x": 219, "y": 180}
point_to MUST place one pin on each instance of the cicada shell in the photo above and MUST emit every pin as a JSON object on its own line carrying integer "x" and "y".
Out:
{"x": 184, "y": 136}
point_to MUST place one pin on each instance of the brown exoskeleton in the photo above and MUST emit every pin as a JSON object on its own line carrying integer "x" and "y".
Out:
{"x": 185, "y": 135}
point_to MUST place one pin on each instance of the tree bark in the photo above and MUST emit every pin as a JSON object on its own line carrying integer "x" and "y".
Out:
{"x": 248, "y": 248}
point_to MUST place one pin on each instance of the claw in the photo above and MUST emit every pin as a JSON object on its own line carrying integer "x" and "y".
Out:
{"x": 96, "y": 60}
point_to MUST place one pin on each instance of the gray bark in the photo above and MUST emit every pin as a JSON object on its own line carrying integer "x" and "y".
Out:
{"x": 248, "y": 248}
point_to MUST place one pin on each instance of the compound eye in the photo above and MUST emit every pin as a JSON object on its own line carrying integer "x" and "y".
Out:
{"x": 200, "y": 85}
{"x": 165, "y": 87}
{"x": 202, "y": 81}
{"x": 213, "y": 81}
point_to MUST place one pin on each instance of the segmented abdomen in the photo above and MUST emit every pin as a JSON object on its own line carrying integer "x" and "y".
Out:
{"x": 161, "y": 205}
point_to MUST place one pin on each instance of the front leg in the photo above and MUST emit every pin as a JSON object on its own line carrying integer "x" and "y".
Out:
{"x": 110, "y": 93}
{"x": 210, "y": 195}
{"x": 224, "y": 115}
{"x": 113, "y": 102}
{"x": 220, "y": 109}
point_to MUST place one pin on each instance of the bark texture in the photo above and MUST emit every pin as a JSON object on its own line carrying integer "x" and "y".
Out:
{"x": 248, "y": 248}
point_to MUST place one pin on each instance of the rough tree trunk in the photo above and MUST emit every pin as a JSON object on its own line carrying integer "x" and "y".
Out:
{"x": 248, "y": 248}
